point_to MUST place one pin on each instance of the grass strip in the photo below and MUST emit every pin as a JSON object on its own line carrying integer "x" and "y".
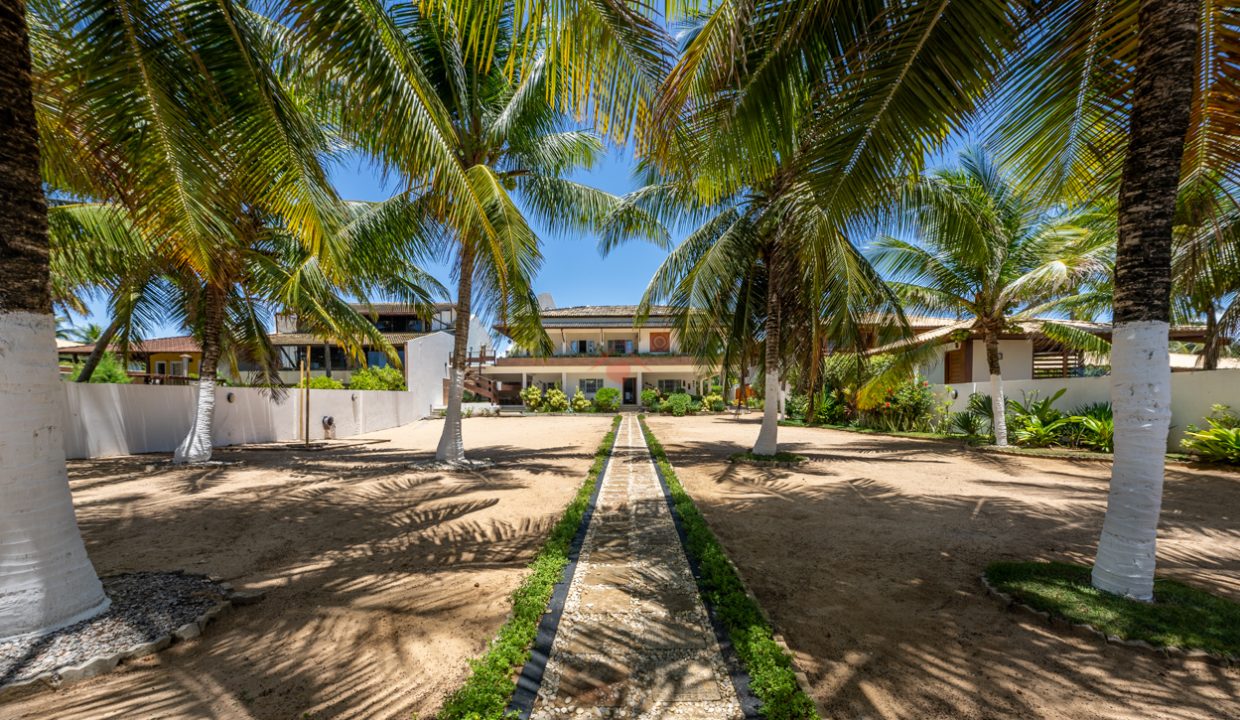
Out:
{"x": 1181, "y": 615}
{"x": 779, "y": 458}
{"x": 486, "y": 692}
{"x": 773, "y": 678}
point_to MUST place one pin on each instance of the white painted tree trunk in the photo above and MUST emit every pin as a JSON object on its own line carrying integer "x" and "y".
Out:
{"x": 998, "y": 408}
{"x": 768, "y": 437}
{"x": 46, "y": 578}
{"x": 1141, "y": 399}
{"x": 452, "y": 442}
{"x": 196, "y": 447}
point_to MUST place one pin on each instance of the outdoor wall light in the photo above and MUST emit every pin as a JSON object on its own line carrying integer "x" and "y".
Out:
{"x": 230, "y": 397}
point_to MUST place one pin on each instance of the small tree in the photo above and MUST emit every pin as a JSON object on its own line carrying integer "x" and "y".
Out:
{"x": 377, "y": 378}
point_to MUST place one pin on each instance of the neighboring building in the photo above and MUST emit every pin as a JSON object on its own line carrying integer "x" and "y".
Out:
{"x": 157, "y": 361}
{"x": 1026, "y": 353}
{"x": 176, "y": 360}
{"x": 597, "y": 346}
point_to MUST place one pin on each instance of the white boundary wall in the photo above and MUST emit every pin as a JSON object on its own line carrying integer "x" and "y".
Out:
{"x": 1192, "y": 394}
{"x": 106, "y": 420}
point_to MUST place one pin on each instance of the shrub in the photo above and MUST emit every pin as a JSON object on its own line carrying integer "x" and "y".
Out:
{"x": 679, "y": 403}
{"x": 109, "y": 370}
{"x": 532, "y": 397}
{"x": 909, "y": 406}
{"x": 581, "y": 403}
{"x": 797, "y": 406}
{"x": 1218, "y": 443}
{"x": 1031, "y": 431}
{"x": 829, "y": 410}
{"x": 1097, "y": 433}
{"x": 555, "y": 401}
{"x": 650, "y": 398}
{"x": 969, "y": 424}
{"x": 322, "y": 382}
{"x": 377, "y": 378}
{"x": 607, "y": 399}
{"x": 714, "y": 402}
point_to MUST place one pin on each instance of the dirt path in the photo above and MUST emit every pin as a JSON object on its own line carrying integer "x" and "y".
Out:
{"x": 868, "y": 559}
{"x": 381, "y": 579}
{"x": 634, "y": 640}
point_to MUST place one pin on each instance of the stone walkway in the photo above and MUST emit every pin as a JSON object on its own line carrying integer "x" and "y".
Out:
{"x": 634, "y": 640}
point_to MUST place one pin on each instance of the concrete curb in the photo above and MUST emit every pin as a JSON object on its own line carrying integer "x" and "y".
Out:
{"x": 1168, "y": 652}
{"x": 96, "y": 666}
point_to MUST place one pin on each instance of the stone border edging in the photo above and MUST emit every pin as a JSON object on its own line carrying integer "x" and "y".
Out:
{"x": 750, "y": 705}
{"x": 104, "y": 664}
{"x": 1166, "y": 652}
{"x": 525, "y": 694}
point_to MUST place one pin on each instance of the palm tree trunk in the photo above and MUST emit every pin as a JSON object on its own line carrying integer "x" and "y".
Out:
{"x": 196, "y": 447}
{"x": 998, "y": 403}
{"x": 1140, "y": 368}
{"x": 46, "y": 578}
{"x": 451, "y": 443}
{"x": 1213, "y": 344}
{"x": 768, "y": 437}
{"x": 101, "y": 347}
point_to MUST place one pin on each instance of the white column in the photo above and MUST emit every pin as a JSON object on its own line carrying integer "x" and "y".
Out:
{"x": 564, "y": 381}
{"x": 523, "y": 380}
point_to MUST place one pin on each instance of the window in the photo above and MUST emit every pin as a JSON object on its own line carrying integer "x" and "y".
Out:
{"x": 581, "y": 347}
{"x": 376, "y": 359}
{"x": 161, "y": 367}
{"x": 620, "y": 347}
{"x": 667, "y": 387}
{"x": 176, "y": 369}
{"x": 590, "y": 385}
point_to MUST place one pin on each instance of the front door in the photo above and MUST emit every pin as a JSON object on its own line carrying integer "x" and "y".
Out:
{"x": 630, "y": 391}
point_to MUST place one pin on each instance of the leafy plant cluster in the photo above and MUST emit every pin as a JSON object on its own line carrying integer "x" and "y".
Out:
{"x": 824, "y": 408}
{"x": 321, "y": 382}
{"x": 681, "y": 404}
{"x": 1220, "y": 442}
{"x": 109, "y": 370}
{"x": 770, "y": 668}
{"x": 555, "y": 400}
{"x": 492, "y": 681}
{"x": 377, "y": 378}
{"x": 1035, "y": 422}
{"x": 910, "y": 406}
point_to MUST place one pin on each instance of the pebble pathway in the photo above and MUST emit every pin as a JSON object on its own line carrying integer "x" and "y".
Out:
{"x": 634, "y": 640}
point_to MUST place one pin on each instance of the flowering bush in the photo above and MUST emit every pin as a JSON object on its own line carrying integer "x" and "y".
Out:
{"x": 714, "y": 403}
{"x": 555, "y": 401}
{"x": 650, "y": 398}
{"x": 907, "y": 407}
{"x": 532, "y": 397}
{"x": 581, "y": 403}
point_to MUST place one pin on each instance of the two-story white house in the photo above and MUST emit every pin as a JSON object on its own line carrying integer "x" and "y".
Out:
{"x": 598, "y": 346}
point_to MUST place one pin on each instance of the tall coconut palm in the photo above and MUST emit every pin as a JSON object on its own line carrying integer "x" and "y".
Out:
{"x": 46, "y": 579}
{"x": 1206, "y": 263}
{"x": 768, "y": 260}
{"x": 1131, "y": 99}
{"x": 494, "y": 136}
{"x": 987, "y": 251}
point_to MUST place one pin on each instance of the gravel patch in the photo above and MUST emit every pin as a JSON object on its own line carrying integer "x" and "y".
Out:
{"x": 146, "y": 607}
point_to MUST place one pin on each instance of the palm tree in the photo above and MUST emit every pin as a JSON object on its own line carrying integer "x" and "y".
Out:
{"x": 230, "y": 150}
{"x": 47, "y": 579}
{"x": 468, "y": 136}
{"x": 1134, "y": 120}
{"x": 1206, "y": 263}
{"x": 990, "y": 252}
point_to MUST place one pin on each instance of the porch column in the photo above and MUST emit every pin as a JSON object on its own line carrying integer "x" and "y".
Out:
{"x": 564, "y": 381}
{"x": 327, "y": 359}
{"x": 640, "y": 386}
{"x": 523, "y": 380}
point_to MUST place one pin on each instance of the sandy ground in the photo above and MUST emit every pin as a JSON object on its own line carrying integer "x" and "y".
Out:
{"x": 868, "y": 560}
{"x": 381, "y": 580}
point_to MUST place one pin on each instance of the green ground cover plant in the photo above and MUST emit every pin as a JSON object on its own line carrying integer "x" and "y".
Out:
{"x": 1220, "y": 442}
{"x": 770, "y": 668}
{"x": 486, "y": 692}
{"x": 377, "y": 378}
{"x": 322, "y": 382}
{"x": 1180, "y": 615}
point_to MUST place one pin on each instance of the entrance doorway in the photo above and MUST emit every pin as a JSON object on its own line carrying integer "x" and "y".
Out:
{"x": 630, "y": 391}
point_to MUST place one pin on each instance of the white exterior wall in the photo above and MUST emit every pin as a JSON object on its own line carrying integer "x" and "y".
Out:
{"x": 1192, "y": 394}
{"x": 426, "y": 367}
{"x": 106, "y": 420}
{"x": 1017, "y": 361}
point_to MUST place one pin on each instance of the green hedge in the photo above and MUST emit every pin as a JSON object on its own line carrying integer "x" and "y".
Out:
{"x": 773, "y": 679}
{"x": 488, "y": 689}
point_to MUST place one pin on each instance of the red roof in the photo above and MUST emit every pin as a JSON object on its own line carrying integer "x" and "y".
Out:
{"x": 179, "y": 344}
